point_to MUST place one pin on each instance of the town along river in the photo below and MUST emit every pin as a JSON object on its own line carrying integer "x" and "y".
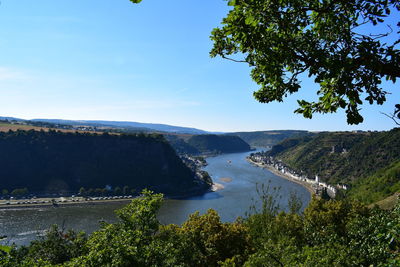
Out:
{"x": 238, "y": 177}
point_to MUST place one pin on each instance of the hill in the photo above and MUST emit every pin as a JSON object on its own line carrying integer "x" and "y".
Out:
{"x": 210, "y": 143}
{"x": 54, "y": 162}
{"x": 206, "y": 144}
{"x": 368, "y": 161}
{"x": 127, "y": 125}
{"x": 180, "y": 144}
{"x": 269, "y": 138}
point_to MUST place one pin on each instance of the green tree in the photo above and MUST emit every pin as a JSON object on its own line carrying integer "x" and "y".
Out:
{"x": 82, "y": 191}
{"x": 125, "y": 190}
{"x": 117, "y": 191}
{"x": 280, "y": 40}
{"x": 90, "y": 192}
{"x": 99, "y": 192}
{"x": 203, "y": 240}
{"x": 19, "y": 191}
{"x": 58, "y": 246}
{"x": 128, "y": 242}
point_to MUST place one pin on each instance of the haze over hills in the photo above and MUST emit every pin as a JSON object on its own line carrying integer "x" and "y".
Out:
{"x": 127, "y": 124}
{"x": 10, "y": 119}
{"x": 269, "y": 138}
{"x": 253, "y": 138}
{"x": 134, "y": 126}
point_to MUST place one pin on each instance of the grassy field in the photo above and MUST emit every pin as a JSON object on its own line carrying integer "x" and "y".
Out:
{"x": 389, "y": 202}
{"x": 5, "y": 127}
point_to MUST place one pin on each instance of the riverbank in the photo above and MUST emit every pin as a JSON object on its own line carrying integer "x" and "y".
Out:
{"x": 306, "y": 185}
{"x": 216, "y": 187}
{"x": 59, "y": 202}
{"x": 44, "y": 202}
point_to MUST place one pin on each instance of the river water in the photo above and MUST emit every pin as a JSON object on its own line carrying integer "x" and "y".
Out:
{"x": 239, "y": 178}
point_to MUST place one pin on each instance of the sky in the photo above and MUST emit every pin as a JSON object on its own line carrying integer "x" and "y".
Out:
{"x": 113, "y": 60}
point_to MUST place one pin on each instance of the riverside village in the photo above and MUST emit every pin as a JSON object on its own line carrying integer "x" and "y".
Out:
{"x": 315, "y": 184}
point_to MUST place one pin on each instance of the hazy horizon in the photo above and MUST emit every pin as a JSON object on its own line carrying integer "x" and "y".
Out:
{"x": 194, "y": 127}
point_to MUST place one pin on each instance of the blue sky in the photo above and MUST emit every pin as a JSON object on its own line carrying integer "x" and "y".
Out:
{"x": 112, "y": 60}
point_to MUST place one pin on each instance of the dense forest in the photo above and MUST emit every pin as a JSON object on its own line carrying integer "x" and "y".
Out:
{"x": 179, "y": 143}
{"x": 368, "y": 161}
{"x": 269, "y": 138}
{"x": 207, "y": 143}
{"x": 218, "y": 143}
{"x": 327, "y": 233}
{"x": 57, "y": 162}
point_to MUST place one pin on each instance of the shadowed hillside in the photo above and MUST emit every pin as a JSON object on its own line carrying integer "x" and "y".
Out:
{"x": 269, "y": 138}
{"x": 53, "y": 162}
{"x": 218, "y": 143}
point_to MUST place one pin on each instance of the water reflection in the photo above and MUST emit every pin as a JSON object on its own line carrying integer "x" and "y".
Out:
{"x": 206, "y": 196}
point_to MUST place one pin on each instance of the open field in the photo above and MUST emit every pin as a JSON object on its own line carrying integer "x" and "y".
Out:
{"x": 5, "y": 127}
{"x": 389, "y": 202}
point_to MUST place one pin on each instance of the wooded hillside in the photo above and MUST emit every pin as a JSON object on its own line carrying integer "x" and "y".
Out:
{"x": 218, "y": 143}
{"x": 207, "y": 143}
{"x": 269, "y": 138}
{"x": 54, "y": 162}
{"x": 368, "y": 161}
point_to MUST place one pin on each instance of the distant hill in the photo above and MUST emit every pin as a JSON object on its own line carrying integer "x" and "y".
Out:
{"x": 10, "y": 119}
{"x": 180, "y": 144}
{"x": 6, "y": 125}
{"x": 218, "y": 143}
{"x": 368, "y": 161}
{"x": 54, "y": 162}
{"x": 137, "y": 126}
{"x": 206, "y": 143}
{"x": 269, "y": 138}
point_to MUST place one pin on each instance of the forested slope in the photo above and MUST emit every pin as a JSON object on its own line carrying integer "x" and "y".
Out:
{"x": 206, "y": 143}
{"x": 180, "y": 145}
{"x": 54, "y": 162}
{"x": 269, "y": 138}
{"x": 218, "y": 143}
{"x": 365, "y": 160}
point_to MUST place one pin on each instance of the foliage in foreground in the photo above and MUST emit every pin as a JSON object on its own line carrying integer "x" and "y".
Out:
{"x": 327, "y": 233}
{"x": 330, "y": 41}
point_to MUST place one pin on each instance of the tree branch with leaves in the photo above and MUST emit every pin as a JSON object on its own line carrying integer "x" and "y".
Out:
{"x": 280, "y": 40}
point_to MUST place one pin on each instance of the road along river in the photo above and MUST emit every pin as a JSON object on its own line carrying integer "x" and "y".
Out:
{"x": 236, "y": 192}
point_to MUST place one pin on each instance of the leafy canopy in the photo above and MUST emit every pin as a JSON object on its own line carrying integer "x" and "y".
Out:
{"x": 327, "y": 233}
{"x": 322, "y": 38}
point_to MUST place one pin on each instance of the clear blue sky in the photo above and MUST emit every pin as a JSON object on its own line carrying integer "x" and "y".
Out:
{"x": 113, "y": 60}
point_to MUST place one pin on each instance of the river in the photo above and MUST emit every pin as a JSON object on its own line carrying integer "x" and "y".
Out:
{"x": 238, "y": 177}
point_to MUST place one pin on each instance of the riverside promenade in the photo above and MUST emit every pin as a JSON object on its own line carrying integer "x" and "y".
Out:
{"x": 314, "y": 186}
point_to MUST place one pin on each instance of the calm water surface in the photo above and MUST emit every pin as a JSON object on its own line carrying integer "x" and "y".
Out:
{"x": 239, "y": 193}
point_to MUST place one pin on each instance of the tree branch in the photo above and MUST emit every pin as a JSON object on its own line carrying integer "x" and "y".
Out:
{"x": 391, "y": 116}
{"x": 234, "y": 60}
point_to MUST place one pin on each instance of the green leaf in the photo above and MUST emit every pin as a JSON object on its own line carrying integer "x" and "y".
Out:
{"x": 232, "y": 3}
